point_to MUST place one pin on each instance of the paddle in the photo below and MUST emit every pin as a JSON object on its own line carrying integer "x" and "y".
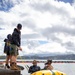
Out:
{"x": 27, "y": 67}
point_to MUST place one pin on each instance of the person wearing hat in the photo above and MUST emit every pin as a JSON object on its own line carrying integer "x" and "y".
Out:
{"x": 7, "y": 50}
{"x": 34, "y": 67}
{"x": 48, "y": 65}
{"x": 15, "y": 46}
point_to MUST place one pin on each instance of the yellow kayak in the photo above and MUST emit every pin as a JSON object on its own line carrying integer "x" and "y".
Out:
{"x": 48, "y": 72}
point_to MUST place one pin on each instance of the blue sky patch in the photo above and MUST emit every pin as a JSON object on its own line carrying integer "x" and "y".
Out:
{"x": 5, "y": 6}
{"x": 43, "y": 42}
{"x": 67, "y": 1}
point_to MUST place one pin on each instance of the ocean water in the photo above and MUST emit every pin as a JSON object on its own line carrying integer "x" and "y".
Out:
{"x": 68, "y": 68}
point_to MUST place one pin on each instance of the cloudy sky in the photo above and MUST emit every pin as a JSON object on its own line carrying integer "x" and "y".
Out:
{"x": 48, "y": 25}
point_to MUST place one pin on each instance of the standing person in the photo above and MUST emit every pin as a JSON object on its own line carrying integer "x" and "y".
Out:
{"x": 48, "y": 65}
{"x": 7, "y": 50}
{"x": 34, "y": 67}
{"x": 15, "y": 46}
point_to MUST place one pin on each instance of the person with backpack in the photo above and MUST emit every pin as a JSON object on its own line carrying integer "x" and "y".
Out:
{"x": 7, "y": 50}
{"x": 15, "y": 46}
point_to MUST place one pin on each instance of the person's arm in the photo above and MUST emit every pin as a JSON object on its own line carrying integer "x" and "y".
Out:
{"x": 50, "y": 67}
{"x": 5, "y": 48}
{"x": 30, "y": 69}
{"x": 45, "y": 68}
{"x": 39, "y": 68}
{"x": 19, "y": 48}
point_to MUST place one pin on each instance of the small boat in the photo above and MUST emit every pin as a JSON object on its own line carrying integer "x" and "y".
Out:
{"x": 48, "y": 72}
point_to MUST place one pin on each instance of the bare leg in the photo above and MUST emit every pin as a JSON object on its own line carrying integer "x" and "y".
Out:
{"x": 14, "y": 63}
{"x": 7, "y": 61}
{"x": 13, "y": 58}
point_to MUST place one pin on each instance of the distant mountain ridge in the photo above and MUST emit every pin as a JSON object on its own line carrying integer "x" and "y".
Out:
{"x": 55, "y": 57}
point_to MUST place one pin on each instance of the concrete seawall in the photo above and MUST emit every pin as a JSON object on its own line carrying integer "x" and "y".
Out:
{"x": 9, "y": 72}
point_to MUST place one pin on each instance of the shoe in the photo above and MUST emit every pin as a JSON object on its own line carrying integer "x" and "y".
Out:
{"x": 14, "y": 67}
{"x": 7, "y": 66}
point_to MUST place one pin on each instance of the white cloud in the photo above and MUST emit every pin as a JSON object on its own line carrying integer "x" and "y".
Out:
{"x": 47, "y": 20}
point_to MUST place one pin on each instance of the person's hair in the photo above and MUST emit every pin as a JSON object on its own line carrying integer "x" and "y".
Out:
{"x": 9, "y": 37}
{"x": 19, "y": 26}
{"x": 34, "y": 62}
{"x": 48, "y": 62}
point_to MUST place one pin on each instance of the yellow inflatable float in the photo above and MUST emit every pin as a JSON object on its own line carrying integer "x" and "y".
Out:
{"x": 48, "y": 72}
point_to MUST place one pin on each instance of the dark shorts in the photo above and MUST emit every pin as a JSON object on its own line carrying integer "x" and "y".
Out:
{"x": 14, "y": 50}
